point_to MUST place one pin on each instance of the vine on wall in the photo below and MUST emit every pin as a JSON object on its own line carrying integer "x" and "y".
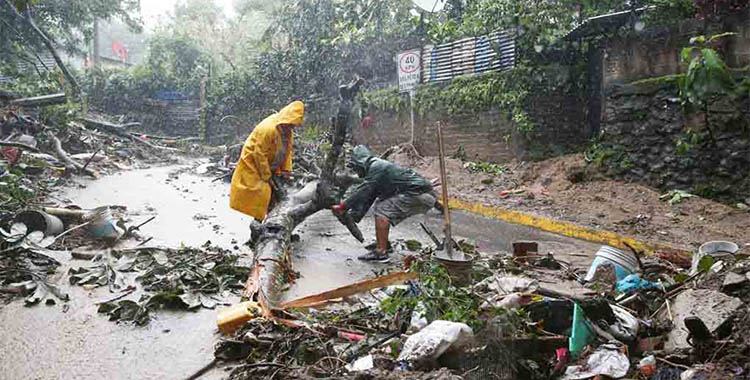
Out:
{"x": 509, "y": 90}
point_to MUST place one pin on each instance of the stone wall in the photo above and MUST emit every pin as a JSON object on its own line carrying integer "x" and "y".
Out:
{"x": 488, "y": 135}
{"x": 647, "y": 137}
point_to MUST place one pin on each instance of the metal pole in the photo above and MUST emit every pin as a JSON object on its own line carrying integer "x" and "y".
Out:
{"x": 411, "y": 111}
{"x": 444, "y": 182}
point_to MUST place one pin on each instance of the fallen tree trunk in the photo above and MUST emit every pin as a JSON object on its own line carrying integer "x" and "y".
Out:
{"x": 65, "y": 158}
{"x": 36, "y": 101}
{"x": 272, "y": 264}
{"x": 121, "y": 132}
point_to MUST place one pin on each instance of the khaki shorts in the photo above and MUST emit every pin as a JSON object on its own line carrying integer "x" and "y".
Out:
{"x": 401, "y": 206}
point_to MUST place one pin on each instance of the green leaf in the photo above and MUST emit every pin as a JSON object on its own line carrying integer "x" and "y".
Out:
{"x": 698, "y": 40}
{"x": 705, "y": 264}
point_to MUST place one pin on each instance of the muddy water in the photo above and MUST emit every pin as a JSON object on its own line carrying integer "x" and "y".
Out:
{"x": 52, "y": 342}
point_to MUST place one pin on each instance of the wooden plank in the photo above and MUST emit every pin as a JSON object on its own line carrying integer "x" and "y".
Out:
{"x": 349, "y": 290}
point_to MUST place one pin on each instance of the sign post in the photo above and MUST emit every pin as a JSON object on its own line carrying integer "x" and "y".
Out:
{"x": 409, "y": 73}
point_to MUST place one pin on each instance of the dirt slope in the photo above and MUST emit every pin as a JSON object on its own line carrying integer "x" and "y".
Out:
{"x": 566, "y": 188}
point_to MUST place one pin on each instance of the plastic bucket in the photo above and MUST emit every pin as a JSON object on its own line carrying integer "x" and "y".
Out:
{"x": 40, "y": 221}
{"x": 100, "y": 223}
{"x": 717, "y": 249}
{"x": 625, "y": 263}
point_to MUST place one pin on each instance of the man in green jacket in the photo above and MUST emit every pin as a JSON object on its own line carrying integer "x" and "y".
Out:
{"x": 400, "y": 192}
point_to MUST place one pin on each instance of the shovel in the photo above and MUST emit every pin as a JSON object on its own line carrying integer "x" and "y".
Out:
{"x": 446, "y": 212}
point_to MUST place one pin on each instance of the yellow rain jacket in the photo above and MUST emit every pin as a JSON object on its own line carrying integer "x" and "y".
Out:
{"x": 250, "y": 192}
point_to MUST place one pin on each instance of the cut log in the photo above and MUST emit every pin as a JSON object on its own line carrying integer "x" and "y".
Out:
{"x": 339, "y": 127}
{"x": 37, "y": 101}
{"x": 65, "y": 158}
{"x": 121, "y": 132}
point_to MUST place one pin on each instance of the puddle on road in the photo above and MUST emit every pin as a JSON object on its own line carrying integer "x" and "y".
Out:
{"x": 44, "y": 342}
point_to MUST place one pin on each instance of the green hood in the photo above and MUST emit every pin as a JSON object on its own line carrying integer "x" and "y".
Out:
{"x": 360, "y": 157}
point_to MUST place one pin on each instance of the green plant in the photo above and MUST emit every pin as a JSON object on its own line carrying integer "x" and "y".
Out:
{"x": 676, "y": 196}
{"x": 440, "y": 297}
{"x": 485, "y": 167}
{"x": 707, "y": 78}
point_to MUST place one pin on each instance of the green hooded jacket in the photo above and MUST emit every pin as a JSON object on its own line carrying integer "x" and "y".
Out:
{"x": 382, "y": 179}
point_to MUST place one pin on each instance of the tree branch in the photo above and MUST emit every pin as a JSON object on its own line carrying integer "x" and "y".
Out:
{"x": 49, "y": 43}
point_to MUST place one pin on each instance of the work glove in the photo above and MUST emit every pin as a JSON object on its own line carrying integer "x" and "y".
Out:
{"x": 339, "y": 208}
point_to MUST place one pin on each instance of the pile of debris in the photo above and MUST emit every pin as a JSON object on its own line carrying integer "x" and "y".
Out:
{"x": 45, "y": 148}
{"x": 628, "y": 316}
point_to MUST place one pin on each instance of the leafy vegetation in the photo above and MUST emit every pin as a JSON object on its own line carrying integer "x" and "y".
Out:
{"x": 485, "y": 167}
{"x": 441, "y": 298}
{"x": 508, "y": 90}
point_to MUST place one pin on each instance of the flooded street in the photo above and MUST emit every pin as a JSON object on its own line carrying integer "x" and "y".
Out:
{"x": 73, "y": 341}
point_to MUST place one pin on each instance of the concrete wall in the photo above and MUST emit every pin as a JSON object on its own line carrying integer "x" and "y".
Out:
{"x": 657, "y": 51}
{"x": 488, "y": 135}
{"x": 482, "y": 135}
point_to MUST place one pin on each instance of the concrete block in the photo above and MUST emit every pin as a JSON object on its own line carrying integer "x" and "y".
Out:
{"x": 712, "y": 307}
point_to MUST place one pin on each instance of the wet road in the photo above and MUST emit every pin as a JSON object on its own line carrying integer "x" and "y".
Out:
{"x": 47, "y": 342}
{"x": 52, "y": 342}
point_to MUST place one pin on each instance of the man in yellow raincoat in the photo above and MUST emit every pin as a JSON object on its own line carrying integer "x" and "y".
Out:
{"x": 267, "y": 152}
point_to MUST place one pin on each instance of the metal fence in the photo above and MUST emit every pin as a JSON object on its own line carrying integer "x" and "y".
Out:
{"x": 468, "y": 56}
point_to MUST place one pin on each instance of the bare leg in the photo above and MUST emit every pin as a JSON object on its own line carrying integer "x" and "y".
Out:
{"x": 382, "y": 227}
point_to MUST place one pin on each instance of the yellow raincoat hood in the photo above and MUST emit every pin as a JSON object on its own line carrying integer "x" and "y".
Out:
{"x": 250, "y": 192}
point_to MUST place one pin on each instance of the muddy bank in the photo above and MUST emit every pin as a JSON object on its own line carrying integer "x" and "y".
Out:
{"x": 567, "y": 188}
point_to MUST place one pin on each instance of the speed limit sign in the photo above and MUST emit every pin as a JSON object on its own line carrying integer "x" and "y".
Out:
{"x": 409, "y": 70}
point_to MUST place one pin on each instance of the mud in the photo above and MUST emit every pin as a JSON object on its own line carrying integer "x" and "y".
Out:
{"x": 567, "y": 188}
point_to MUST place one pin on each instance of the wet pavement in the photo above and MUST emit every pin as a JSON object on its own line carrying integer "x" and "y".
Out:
{"x": 50, "y": 342}
{"x": 75, "y": 342}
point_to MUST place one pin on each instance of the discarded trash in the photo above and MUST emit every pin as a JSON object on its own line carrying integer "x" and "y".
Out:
{"x": 633, "y": 283}
{"x": 608, "y": 361}
{"x": 626, "y": 327}
{"x": 101, "y": 224}
{"x": 624, "y": 263}
{"x": 439, "y": 337}
{"x": 716, "y": 249}
{"x": 509, "y": 284}
{"x": 647, "y": 366}
{"x": 418, "y": 318}
{"x": 230, "y": 319}
{"x": 362, "y": 364}
{"x": 581, "y": 334}
{"x": 40, "y": 221}
{"x": 521, "y": 249}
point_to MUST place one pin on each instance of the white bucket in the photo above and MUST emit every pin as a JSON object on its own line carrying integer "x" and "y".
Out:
{"x": 625, "y": 263}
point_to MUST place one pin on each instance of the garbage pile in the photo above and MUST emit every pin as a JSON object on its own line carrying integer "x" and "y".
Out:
{"x": 627, "y": 316}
